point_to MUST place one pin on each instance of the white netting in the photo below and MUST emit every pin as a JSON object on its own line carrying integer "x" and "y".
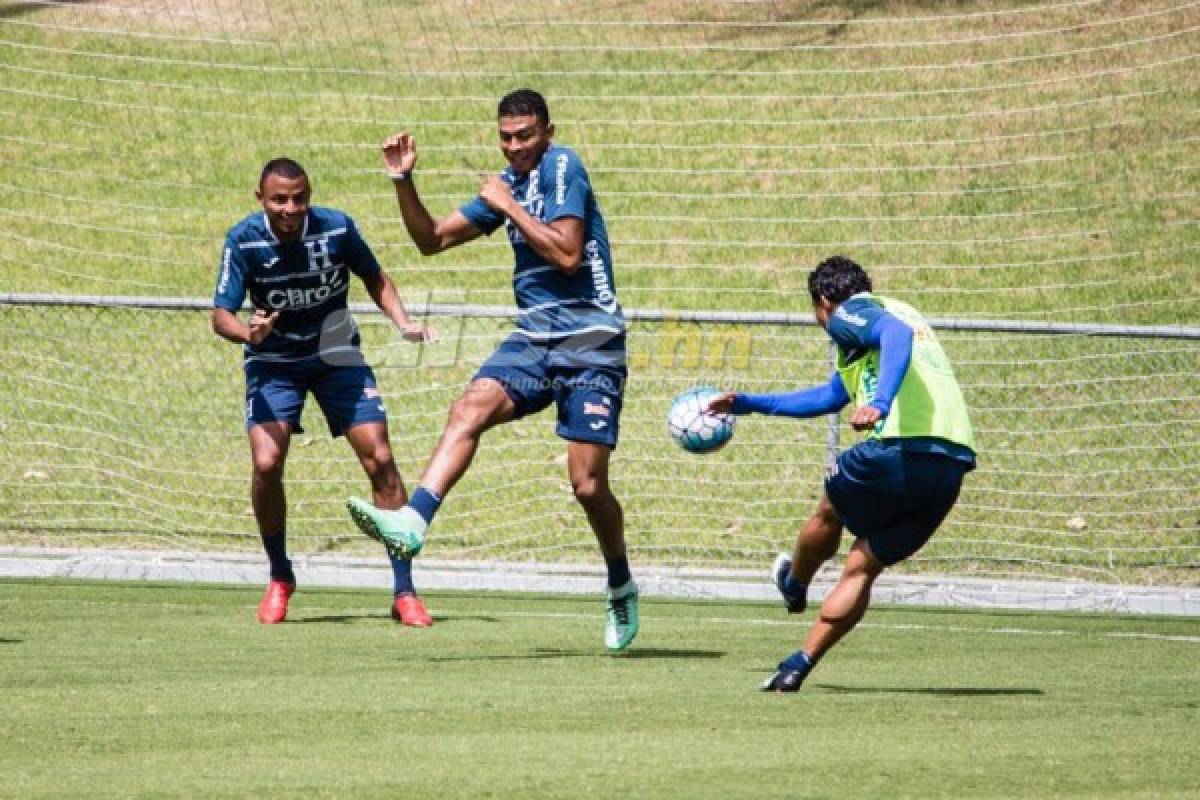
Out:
{"x": 1026, "y": 163}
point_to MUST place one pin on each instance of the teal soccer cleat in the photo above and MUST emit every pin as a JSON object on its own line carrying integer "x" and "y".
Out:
{"x": 621, "y": 623}
{"x": 402, "y": 532}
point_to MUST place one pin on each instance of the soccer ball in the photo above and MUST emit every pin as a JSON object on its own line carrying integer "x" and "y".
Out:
{"x": 693, "y": 428}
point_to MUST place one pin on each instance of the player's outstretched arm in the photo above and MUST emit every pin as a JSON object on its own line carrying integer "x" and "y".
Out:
{"x": 812, "y": 402}
{"x": 226, "y": 325}
{"x": 430, "y": 236}
{"x": 383, "y": 292}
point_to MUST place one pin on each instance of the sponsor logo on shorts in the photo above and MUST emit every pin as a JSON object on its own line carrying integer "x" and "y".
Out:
{"x": 598, "y": 425}
{"x": 596, "y": 408}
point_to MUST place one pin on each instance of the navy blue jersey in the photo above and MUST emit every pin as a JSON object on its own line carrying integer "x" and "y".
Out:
{"x": 851, "y": 324}
{"x": 307, "y": 281}
{"x": 552, "y": 304}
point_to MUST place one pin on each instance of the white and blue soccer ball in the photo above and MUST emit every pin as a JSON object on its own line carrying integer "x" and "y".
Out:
{"x": 696, "y": 430}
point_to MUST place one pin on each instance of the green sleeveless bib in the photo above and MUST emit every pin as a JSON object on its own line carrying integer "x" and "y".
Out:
{"x": 929, "y": 402}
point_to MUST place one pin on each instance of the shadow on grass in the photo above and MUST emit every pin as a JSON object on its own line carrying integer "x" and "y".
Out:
{"x": 21, "y": 9}
{"x": 339, "y": 619}
{"x": 11, "y": 641}
{"x": 542, "y": 653}
{"x": 938, "y": 691}
{"x": 349, "y": 618}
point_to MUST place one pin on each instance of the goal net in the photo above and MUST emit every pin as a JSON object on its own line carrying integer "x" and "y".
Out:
{"x": 1024, "y": 174}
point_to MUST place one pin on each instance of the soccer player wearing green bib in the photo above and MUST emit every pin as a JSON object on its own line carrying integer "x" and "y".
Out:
{"x": 894, "y": 488}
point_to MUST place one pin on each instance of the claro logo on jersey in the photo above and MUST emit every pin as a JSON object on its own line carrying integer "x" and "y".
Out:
{"x": 297, "y": 298}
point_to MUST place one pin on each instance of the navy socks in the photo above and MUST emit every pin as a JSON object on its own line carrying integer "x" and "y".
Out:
{"x": 425, "y": 503}
{"x": 402, "y": 582}
{"x": 276, "y": 549}
{"x": 618, "y": 571}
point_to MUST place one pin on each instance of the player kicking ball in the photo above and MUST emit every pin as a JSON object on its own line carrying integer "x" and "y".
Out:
{"x": 894, "y": 488}
{"x": 568, "y": 350}
{"x": 295, "y": 261}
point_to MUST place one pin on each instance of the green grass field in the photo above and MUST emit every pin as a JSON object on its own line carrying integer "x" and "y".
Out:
{"x": 999, "y": 160}
{"x": 144, "y": 690}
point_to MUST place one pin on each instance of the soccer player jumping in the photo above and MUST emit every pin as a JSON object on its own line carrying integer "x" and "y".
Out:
{"x": 894, "y": 488}
{"x": 295, "y": 261}
{"x": 569, "y": 347}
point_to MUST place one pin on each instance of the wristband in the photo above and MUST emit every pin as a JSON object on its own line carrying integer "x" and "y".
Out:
{"x": 400, "y": 177}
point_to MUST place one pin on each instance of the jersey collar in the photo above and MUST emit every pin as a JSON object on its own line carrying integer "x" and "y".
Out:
{"x": 273, "y": 239}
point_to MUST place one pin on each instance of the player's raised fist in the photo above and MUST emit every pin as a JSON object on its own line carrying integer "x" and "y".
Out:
{"x": 399, "y": 153}
{"x": 497, "y": 194}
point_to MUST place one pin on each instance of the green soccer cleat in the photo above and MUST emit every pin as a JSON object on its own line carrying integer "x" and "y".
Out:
{"x": 621, "y": 623}
{"x": 402, "y": 532}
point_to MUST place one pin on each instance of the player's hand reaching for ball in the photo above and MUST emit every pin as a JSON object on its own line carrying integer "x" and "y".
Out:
{"x": 261, "y": 325}
{"x": 721, "y": 404}
{"x": 399, "y": 153}
{"x": 418, "y": 332}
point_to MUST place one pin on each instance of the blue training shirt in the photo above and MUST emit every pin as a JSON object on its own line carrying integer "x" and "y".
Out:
{"x": 552, "y": 304}
{"x": 307, "y": 281}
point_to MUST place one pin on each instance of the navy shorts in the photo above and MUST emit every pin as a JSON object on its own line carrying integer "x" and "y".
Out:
{"x": 585, "y": 380}
{"x": 893, "y": 498}
{"x": 347, "y": 395}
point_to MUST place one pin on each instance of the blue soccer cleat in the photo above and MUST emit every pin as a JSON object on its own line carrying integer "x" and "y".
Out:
{"x": 402, "y": 532}
{"x": 790, "y": 673}
{"x": 781, "y": 570}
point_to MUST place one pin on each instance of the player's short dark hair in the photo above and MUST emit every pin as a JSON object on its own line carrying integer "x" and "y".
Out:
{"x": 836, "y": 279}
{"x": 523, "y": 103}
{"x": 284, "y": 168}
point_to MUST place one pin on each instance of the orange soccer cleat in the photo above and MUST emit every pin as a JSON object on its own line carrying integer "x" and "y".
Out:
{"x": 409, "y": 610}
{"x": 273, "y": 608}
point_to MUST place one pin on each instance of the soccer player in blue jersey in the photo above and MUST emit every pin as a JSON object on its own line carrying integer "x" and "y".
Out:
{"x": 894, "y": 488}
{"x": 294, "y": 260}
{"x": 569, "y": 347}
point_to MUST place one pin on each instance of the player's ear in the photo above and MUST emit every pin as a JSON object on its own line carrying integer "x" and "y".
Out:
{"x": 549, "y": 130}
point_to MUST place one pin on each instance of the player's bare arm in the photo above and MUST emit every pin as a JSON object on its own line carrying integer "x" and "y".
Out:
{"x": 385, "y": 296}
{"x": 227, "y": 325}
{"x": 430, "y": 236}
{"x": 559, "y": 242}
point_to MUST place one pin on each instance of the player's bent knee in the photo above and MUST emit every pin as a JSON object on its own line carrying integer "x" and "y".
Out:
{"x": 590, "y": 489}
{"x": 267, "y": 463}
{"x": 468, "y": 416}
